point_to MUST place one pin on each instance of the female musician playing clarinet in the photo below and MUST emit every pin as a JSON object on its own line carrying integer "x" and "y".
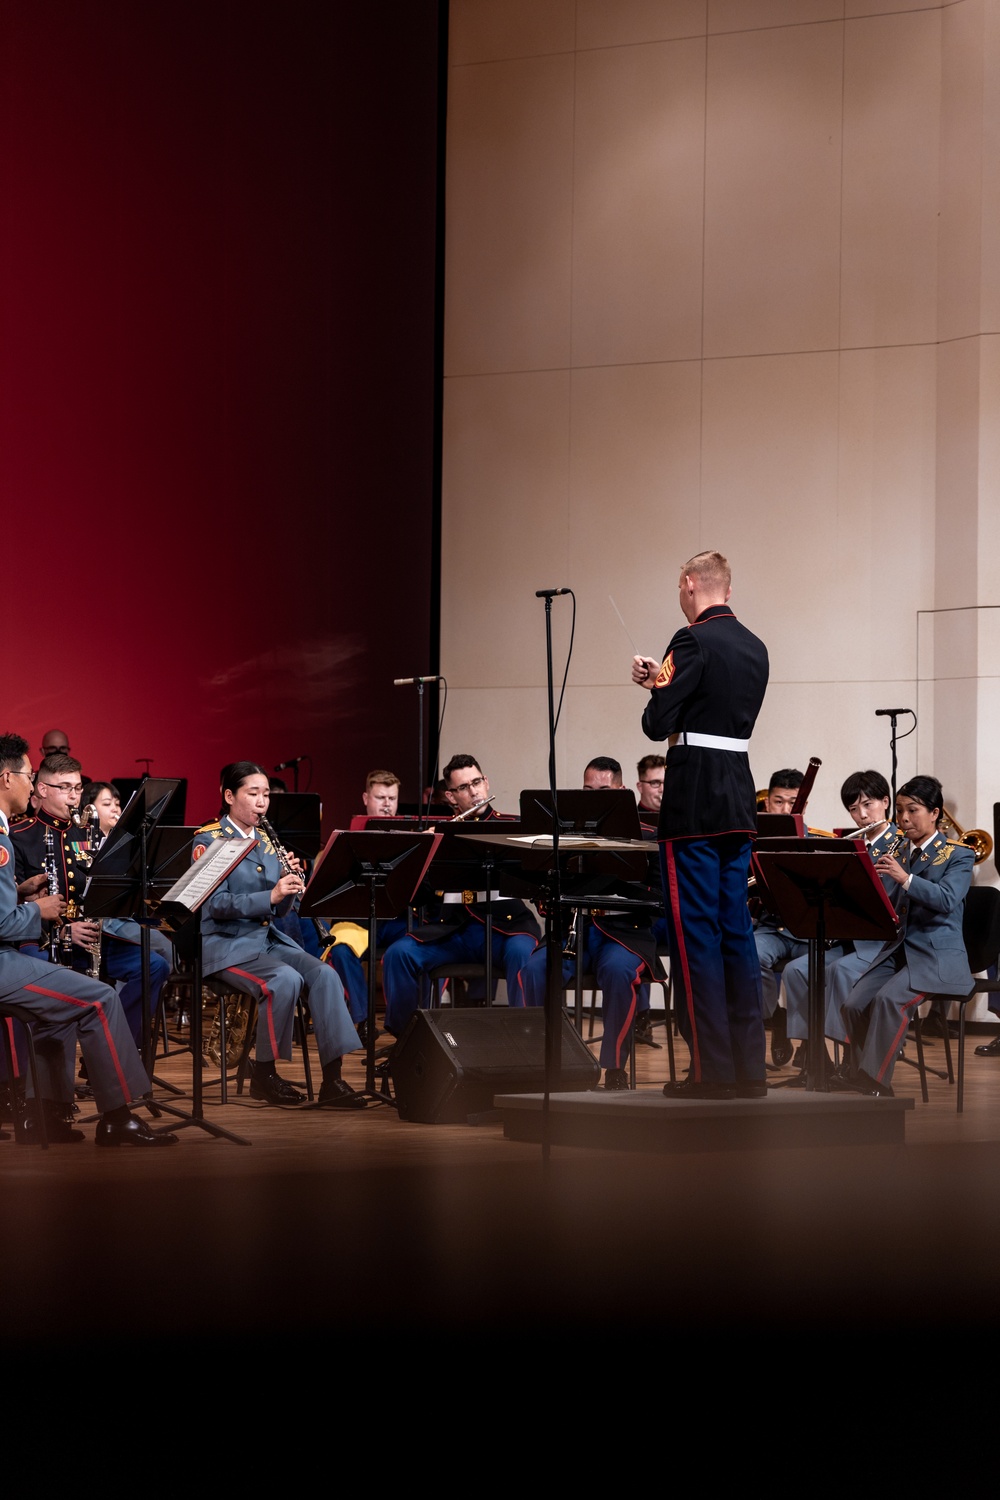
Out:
{"x": 242, "y": 946}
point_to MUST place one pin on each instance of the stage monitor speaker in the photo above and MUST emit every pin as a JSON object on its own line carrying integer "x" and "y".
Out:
{"x": 449, "y": 1064}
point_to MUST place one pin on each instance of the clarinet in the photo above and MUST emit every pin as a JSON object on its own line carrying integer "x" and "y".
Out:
{"x": 279, "y": 849}
{"x": 90, "y": 821}
{"x": 52, "y": 879}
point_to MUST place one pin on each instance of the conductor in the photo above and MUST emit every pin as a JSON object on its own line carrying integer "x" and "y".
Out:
{"x": 704, "y": 699}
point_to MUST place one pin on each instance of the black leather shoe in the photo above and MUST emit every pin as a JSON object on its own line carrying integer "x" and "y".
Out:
{"x": 130, "y": 1132}
{"x": 334, "y": 1093}
{"x": 781, "y": 1047}
{"x": 616, "y": 1080}
{"x": 362, "y": 1030}
{"x": 57, "y": 1132}
{"x": 751, "y": 1090}
{"x": 274, "y": 1090}
{"x": 687, "y": 1088}
{"x": 871, "y": 1086}
{"x": 644, "y": 1031}
{"x": 989, "y": 1049}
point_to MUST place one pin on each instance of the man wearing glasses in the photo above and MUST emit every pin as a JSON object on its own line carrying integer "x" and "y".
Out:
{"x": 457, "y": 934}
{"x": 67, "y": 1007}
{"x": 649, "y": 788}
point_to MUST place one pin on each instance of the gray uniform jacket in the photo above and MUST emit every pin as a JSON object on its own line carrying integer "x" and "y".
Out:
{"x": 237, "y": 919}
{"x": 931, "y": 916}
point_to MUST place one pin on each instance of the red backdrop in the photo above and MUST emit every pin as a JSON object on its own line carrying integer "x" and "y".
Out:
{"x": 217, "y": 383}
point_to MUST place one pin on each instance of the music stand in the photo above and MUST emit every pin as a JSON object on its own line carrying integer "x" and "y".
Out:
{"x": 180, "y": 909}
{"x": 119, "y": 876}
{"x": 361, "y": 877}
{"x": 823, "y": 888}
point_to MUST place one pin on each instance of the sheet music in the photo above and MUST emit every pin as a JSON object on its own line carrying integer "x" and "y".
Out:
{"x": 210, "y": 870}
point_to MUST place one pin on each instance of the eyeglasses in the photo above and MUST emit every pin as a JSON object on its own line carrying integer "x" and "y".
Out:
{"x": 650, "y": 780}
{"x": 469, "y": 786}
{"x": 62, "y": 786}
{"x": 30, "y": 774}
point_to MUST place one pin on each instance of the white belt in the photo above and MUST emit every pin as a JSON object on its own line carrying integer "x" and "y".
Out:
{"x": 456, "y": 898}
{"x": 708, "y": 741}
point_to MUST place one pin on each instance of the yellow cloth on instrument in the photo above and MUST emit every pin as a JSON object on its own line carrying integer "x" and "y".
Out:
{"x": 350, "y": 933}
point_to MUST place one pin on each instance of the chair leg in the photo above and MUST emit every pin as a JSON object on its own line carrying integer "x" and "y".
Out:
{"x": 302, "y": 1023}
{"x": 942, "y": 1010}
{"x": 961, "y": 1058}
{"x": 921, "y": 1068}
{"x": 18, "y": 1107}
{"x": 668, "y": 1002}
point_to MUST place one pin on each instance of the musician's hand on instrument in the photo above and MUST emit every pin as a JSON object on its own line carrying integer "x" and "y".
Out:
{"x": 891, "y": 867}
{"x": 51, "y": 907}
{"x": 644, "y": 670}
{"x": 288, "y": 885}
{"x": 31, "y": 886}
{"x": 85, "y": 934}
{"x": 296, "y": 864}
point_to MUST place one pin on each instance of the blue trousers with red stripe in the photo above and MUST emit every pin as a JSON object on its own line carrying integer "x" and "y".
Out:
{"x": 617, "y": 971}
{"x": 713, "y": 957}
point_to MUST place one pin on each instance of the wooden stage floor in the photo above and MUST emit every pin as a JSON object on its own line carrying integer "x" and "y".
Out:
{"x": 344, "y": 1222}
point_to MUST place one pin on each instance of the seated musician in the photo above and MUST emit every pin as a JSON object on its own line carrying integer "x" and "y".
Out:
{"x": 242, "y": 945}
{"x": 649, "y": 788}
{"x": 930, "y": 880}
{"x": 66, "y": 1008}
{"x": 620, "y": 952}
{"x": 121, "y": 955}
{"x": 457, "y": 932}
{"x": 865, "y": 794}
{"x": 775, "y": 944}
{"x": 381, "y": 800}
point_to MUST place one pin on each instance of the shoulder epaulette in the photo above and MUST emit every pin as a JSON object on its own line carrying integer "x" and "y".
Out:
{"x": 215, "y": 829}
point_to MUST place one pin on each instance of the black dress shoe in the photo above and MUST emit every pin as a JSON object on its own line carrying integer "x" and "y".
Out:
{"x": 688, "y": 1088}
{"x": 130, "y": 1132}
{"x": 334, "y": 1093}
{"x": 872, "y": 1087}
{"x": 274, "y": 1090}
{"x": 362, "y": 1030}
{"x": 616, "y": 1080}
{"x": 749, "y": 1089}
{"x": 57, "y": 1132}
{"x": 989, "y": 1049}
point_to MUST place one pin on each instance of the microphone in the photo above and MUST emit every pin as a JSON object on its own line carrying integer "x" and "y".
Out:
{"x": 550, "y": 593}
{"x": 409, "y": 681}
{"x": 286, "y": 765}
{"x": 891, "y": 712}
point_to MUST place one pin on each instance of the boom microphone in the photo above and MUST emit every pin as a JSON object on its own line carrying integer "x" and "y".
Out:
{"x": 286, "y": 765}
{"x": 409, "y": 681}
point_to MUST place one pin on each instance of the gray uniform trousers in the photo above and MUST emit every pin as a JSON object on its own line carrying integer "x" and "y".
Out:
{"x": 892, "y": 999}
{"x": 66, "y": 1008}
{"x": 275, "y": 978}
{"x": 842, "y": 971}
{"x": 775, "y": 948}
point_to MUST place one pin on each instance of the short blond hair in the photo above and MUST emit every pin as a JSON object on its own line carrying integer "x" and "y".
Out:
{"x": 381, "y": 778}
{"x": 711, "y": 569}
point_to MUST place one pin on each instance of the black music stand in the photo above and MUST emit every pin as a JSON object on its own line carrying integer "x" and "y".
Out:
{"x": 119, "y": 883}
{"x": 183, "y": 918}
{"x": 362, "y": 877}
{"x": 823, "y": 888}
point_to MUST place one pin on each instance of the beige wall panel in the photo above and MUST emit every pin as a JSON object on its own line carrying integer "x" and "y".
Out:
{"x": 988, "y": 582}
{"x": 621, "y": 23}
{"x": 507, "y": 728}
{"x": 772, "y": 197}
{"x": 961, "y": 155}
{"x": 488, "y": 30}
{"x": 637, "y": 203}
{"x": 892, "y": 72}
{"x": 769, "y": 492}
{"x": 510, "y": 149}
{"x": 504, "y": 522}
{"x": 752, "y": 15}
{"x": 954, "y": 762}
{"x": 635, "y": 489}
{"x": 957, "y": 482}
{"x": 990, "y": 291}
{"x": 883, "y": 569}
{"x": 605, "y": 721}
{"x": 635, "y": 454}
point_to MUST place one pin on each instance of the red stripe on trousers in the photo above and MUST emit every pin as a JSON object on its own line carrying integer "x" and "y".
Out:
{"x": 895, "y": 1046}
{"x": 97, "y": 1005}
{"x": 675, "y": 907}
